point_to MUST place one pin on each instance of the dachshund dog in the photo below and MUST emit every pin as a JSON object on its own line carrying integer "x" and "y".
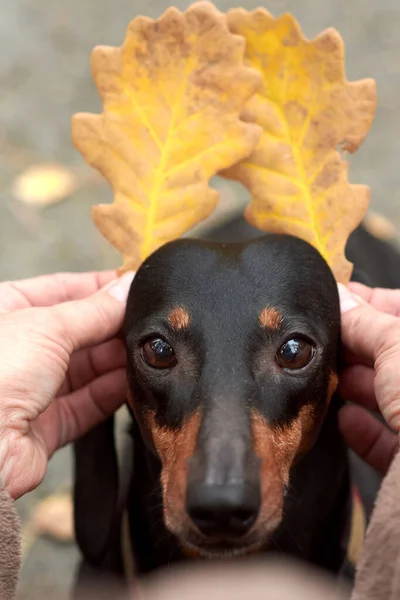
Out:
{"x": 233, "y": 352}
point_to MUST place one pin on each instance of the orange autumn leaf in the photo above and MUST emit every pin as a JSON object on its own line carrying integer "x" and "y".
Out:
{"x": 307, "y": 109}
{"x": 172, "y": 96}
{"x": 54, "y": 517}
{"x": 357, "y": 530}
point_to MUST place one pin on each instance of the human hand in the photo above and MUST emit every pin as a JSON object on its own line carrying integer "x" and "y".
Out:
{"x": 62, "y": 370}
{"x": 371, "y": 340}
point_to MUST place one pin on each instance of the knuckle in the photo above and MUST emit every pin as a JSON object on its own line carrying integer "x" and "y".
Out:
{"x": 388, "y": 340}
{"x": 100, "y": 311}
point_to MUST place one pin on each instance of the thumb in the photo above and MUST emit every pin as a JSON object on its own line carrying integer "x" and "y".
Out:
{"x": 94, "y": 319}
{"x": 366, "y": 332}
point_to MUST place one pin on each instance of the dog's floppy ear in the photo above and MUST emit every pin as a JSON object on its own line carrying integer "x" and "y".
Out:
{"x": 96, "y": 492}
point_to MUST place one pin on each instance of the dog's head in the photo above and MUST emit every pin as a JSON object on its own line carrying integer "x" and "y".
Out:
{"x": 232, "y": 354}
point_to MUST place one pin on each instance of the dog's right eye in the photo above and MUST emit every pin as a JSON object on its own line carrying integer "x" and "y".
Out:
{"x": 295, "y": 354}
{"x": 157, "y": 353}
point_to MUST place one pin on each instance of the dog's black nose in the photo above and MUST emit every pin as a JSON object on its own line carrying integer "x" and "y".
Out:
{"x": 223, "y": 510}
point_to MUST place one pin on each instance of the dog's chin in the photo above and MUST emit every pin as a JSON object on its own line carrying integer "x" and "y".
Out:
{"x": 221, "y": 551}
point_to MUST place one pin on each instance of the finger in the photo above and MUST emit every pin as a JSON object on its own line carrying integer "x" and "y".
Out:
{"x": 47, "y": 290}
{"x": 349, "y": 358}
{"x": 387, "y": 301}
{"x": 367, "y": 437}
{"x": 366, "y": 332}
{"x": 89, "y": 363}
{"x": 356, "y": 384}
{"x": 93, "y": 320}
{"x": 83, "y": 409}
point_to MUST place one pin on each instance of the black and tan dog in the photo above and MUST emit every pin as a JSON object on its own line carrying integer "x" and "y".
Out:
{"x": 233, "y": 356}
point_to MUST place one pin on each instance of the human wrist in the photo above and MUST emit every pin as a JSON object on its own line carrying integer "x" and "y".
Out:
{"x": 22, "y": 468}
{"x": 5, "y": 462}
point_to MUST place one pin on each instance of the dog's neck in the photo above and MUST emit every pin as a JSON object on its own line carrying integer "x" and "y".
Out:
{"x": 315, "y": 510}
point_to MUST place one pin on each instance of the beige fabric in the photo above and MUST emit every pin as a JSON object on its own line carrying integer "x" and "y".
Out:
{"x": 378, "y": 573}
{"x": 267, "y": 580}
{"x": 10, "y": 547}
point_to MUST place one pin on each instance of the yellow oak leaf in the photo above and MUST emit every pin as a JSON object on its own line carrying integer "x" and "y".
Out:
{"x": 172, "y": 96}
{"x": 308, "y": 110}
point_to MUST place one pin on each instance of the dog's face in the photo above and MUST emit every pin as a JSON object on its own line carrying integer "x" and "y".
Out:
{"x": 232, "y": 364}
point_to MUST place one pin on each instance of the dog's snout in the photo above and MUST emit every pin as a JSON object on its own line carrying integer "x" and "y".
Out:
{"x": 223, "y": 510}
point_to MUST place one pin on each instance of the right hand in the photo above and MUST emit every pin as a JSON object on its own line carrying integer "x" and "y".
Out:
{"x": 371, "y": 379}
{"x": 62, "y": 367}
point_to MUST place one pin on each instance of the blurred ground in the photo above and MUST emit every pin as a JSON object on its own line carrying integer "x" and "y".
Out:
{"x": 45, "y": 78}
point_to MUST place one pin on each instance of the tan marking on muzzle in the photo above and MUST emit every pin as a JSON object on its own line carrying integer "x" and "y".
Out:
{"x": 294, "y": 439}
{"x": 278, "y": 449}
{"x": 270, "y": 318}
{"x": 174, "y": 447}
{"x": 179, "y": 318}
{"x": 272, "y": 484}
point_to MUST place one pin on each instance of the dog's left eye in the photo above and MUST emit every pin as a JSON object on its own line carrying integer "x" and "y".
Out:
{"x": 158, "y": 354}
{"x": 295, "y": 354}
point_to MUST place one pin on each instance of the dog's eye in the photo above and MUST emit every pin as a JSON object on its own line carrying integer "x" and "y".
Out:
{"x": 295, "y": 354}
{"x": 158, "y": 354}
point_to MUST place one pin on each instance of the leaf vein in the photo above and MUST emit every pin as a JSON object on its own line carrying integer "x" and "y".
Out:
{"x": 144, "y": 118}
{"x": 196, "y": 157}
{"x": 255, "y": 167}
{"x": 287, "y": 219}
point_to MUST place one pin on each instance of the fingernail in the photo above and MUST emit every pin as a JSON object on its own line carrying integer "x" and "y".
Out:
{"x": 119, "y": 288}
{"x": 348, "y": 301}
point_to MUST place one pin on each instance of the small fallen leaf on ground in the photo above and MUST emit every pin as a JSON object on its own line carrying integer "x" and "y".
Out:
{"x": 41, "y": 185}
{"x": 379, "y": 226}
{"x": 54, "y": 517}
{"x": 172, "y": 96}
{"x": 307, "y": 109}
{"x": 358, "y": 529}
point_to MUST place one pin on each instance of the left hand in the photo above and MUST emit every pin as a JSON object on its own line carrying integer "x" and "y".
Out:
{"x": 371, "y": 380}
{"x": 62, "y": 370}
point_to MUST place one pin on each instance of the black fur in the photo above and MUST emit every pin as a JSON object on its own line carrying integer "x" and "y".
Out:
{"x": 224, "y": 288}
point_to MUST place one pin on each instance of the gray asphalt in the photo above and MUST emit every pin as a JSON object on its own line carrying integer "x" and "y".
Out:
{"x": 45, "y": 78}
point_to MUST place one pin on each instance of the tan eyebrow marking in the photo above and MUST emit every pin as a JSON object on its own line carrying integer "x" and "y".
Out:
{"x": 179, "y": 318}
{"x": 270, "y": 317}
